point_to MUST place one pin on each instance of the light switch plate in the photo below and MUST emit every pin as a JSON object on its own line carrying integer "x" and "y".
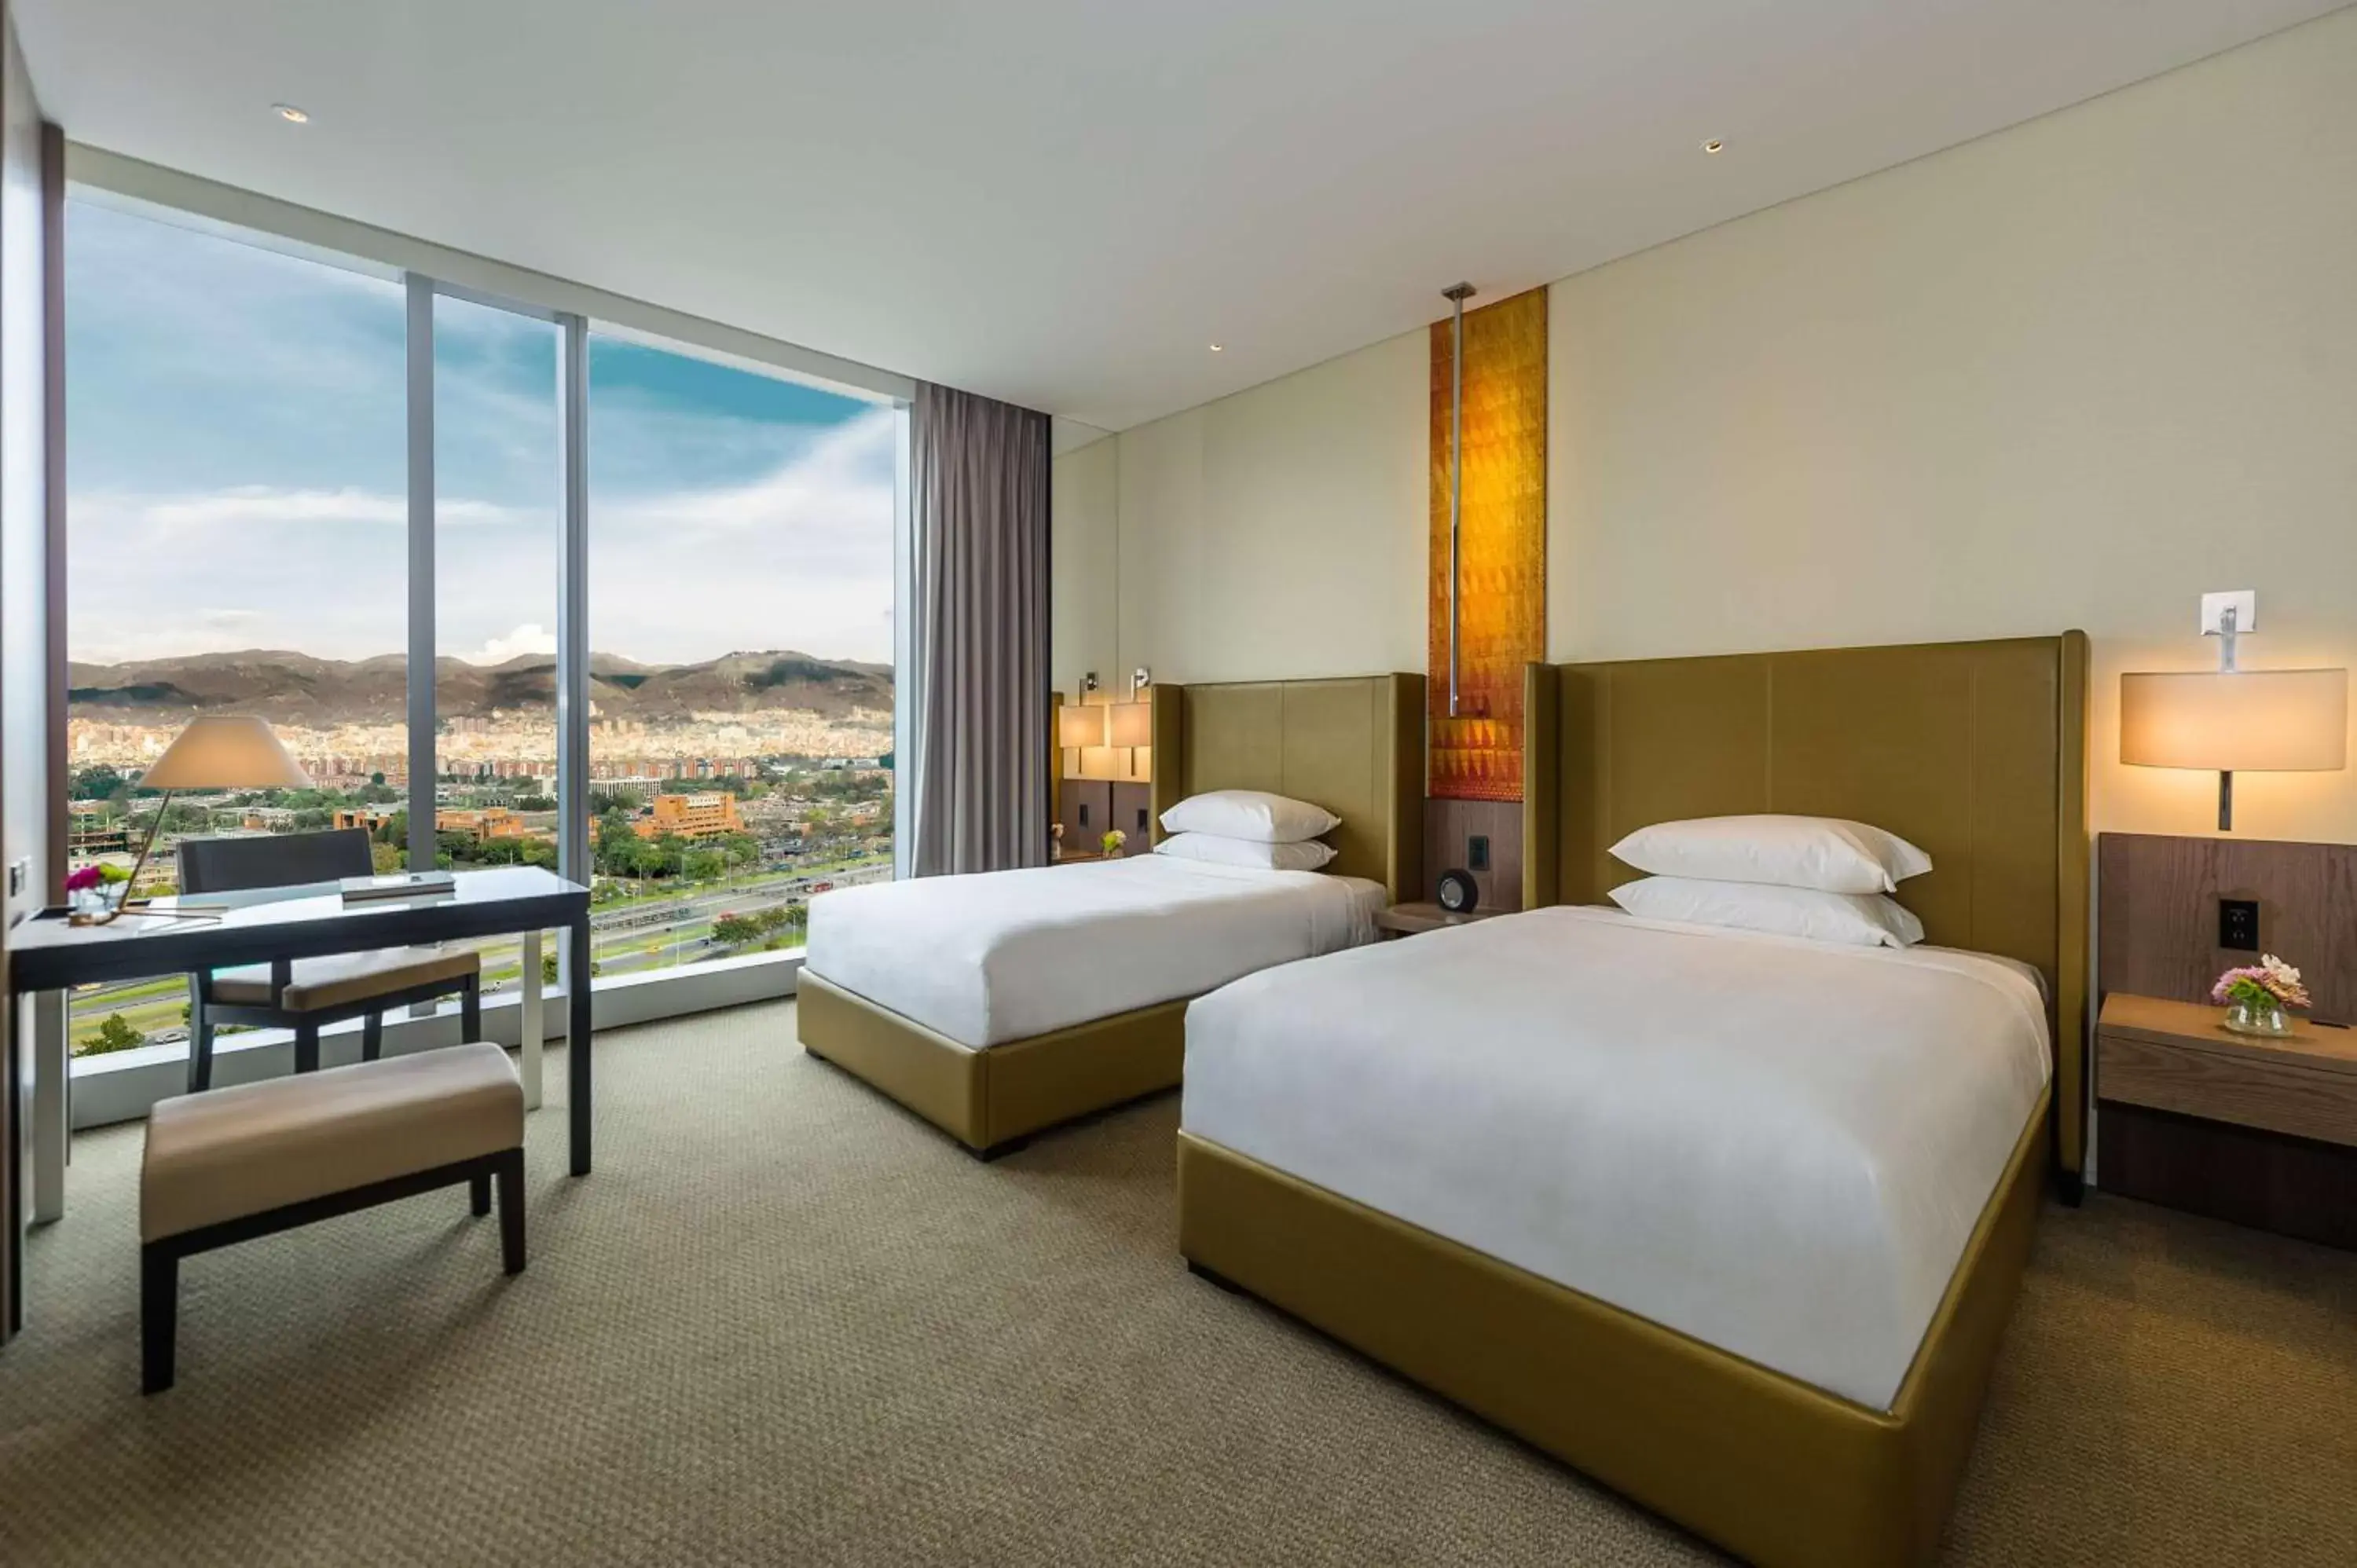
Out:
{"x": 2245, "y": 603}
{"x": 20, "y": 871}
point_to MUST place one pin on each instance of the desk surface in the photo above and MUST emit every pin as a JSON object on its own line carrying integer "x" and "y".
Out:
{"x": 48, "y": 953}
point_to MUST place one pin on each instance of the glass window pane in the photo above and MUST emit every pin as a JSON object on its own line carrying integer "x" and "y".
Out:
{"x": 740, "y": 618}
{"x": 236, "y": 516}
{"x": 498, "y": 510}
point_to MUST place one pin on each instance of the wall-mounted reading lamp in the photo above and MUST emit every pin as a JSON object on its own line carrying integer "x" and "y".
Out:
{"x": 2235, "y": 720}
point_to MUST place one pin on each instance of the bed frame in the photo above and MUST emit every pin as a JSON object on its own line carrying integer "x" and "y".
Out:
{"x": 1974, "y": 750}
{"x": 1353, "y": 745}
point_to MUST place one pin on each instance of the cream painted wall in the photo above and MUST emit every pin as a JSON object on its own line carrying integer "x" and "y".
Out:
{"x": 2071, "y": 374}
{"x": 1082, "y": 491}
{"x": 2068, "y": 375}
{"x": 1280, "y": 532}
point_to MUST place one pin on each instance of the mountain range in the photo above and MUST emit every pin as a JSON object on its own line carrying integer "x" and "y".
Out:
{"x": 299, "y": 690}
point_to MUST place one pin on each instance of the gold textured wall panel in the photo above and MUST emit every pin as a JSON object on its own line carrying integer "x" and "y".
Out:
{"x": 1501, "y": 577}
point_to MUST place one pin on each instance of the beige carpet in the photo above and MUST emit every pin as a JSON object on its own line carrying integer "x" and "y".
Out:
{"x": 784, "y": 1322}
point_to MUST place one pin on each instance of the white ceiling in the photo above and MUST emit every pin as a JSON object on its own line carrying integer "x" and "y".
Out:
{"x": 1061, "y": 203}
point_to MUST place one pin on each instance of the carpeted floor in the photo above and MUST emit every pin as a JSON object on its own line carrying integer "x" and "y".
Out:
{"x": 785, "y": 1322}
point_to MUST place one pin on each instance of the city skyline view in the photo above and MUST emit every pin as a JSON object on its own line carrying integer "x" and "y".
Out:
{"x": 237, "y": 540}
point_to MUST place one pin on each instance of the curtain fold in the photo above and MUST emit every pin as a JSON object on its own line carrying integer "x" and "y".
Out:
{"x": 976, "y": 687}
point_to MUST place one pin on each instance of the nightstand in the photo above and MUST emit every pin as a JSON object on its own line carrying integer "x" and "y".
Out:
{"x": 1407, "y": 920}
{"x": 2258, "y": 1131}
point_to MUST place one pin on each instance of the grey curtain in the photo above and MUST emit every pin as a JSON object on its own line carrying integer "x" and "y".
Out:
{"x": 976, "y": 686}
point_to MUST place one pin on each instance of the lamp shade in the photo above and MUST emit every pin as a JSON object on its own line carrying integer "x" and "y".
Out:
{"x": 1133, "y": 724}
{"x": 2247, "y": 720}
{"x": 1081, "y": 726}
{"x": 229, "y": 751}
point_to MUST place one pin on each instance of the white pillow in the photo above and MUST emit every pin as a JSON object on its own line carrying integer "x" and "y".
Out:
{"x": 1861, "y": 919}
{"x": 1251, "y": 814}
{"x": 1306, "y": 855}
{"x": 1828, "y": 854}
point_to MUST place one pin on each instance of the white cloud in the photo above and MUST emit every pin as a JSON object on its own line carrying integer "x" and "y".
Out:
{"x": 264, "y": 504}
{"x": 528, "y": 637}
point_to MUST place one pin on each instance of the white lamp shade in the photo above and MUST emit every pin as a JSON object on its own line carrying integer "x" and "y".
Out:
{"x": 1081, "y": 726}
{"x": 230, "y": 751}
{"x": 1133, "y": 724}
{"x": 2247, "y": 720}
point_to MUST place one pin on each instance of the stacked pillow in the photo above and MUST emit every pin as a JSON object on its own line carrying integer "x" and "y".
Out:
{"x": 1825, "y": 879}
{"x": 1248, "y": 827}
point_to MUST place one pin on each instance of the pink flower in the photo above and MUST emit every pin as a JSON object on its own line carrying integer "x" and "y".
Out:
{"x": 2270, "y": 979}
{"x": 84, "y": 878}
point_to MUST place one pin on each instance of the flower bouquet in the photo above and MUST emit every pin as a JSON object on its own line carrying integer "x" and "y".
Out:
{"x": 2255, "y": 996}
{"x": 1113, "y": 842}
{"x": 86, "y": 886}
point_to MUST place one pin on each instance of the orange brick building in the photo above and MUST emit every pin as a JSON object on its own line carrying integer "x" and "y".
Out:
{"x": 700, "y": 816}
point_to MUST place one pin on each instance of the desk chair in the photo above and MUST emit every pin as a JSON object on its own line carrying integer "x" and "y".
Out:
{"x": 306, "y": 993}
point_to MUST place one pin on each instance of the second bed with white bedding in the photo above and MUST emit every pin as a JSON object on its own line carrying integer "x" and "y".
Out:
{"x": 1779, "y": 1147}
{"x": 1008, "y": 955}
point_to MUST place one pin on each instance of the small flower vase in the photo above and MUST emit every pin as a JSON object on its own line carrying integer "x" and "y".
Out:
{"x": 2245, "y": 1017}
{"x": 87, "y": 904}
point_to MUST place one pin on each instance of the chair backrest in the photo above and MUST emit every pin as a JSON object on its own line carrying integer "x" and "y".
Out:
{"x": 273, "y": 860}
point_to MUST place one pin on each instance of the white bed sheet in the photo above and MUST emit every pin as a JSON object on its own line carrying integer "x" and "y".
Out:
{"x": 1777, "y": 1146}
{"x": 1005, "y": 955}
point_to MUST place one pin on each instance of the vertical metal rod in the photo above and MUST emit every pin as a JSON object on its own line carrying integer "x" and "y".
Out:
{"x": 1457, "y": 294}
{"x": 2229, "y": 631}
{"x": 421, "y": 572}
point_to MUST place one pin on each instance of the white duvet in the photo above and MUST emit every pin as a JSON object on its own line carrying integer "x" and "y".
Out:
{"x": 1777, "y": 1146}
{"x": 1005, "y": 955}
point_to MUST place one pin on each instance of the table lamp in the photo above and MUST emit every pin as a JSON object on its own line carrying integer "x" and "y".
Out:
{"x": 2233, "y": 720}
{"x": 226, "y": 751}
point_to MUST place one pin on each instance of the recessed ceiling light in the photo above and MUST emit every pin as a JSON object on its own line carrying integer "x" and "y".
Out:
{"x": 292, "y": 116}
{"x": 1714, "y": 146}
{"x": 1218, "y": 348}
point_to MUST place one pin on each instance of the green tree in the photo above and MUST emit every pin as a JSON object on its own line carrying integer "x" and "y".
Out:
{"x": 385, "y": 859}
{"x": 703, "y": 865}
{"x": 114, "y": 1034}
{"x": 98, "y": 783}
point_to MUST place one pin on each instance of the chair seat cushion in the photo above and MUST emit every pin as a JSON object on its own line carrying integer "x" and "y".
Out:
{"x": 341, "y": 979}
{"x": 233, "y": 1152}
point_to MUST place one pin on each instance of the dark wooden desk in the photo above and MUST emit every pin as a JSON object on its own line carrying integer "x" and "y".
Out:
{"x": 47, "y": 953}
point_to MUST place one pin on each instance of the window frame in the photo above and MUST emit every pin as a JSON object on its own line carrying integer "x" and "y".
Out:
{"x": 427, "y": 272}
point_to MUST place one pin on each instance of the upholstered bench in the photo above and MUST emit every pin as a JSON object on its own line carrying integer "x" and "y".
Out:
{"x": 233, "y": 1163}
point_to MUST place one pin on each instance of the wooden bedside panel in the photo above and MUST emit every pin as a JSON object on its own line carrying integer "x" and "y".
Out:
{"x": 2282, "y": 1098}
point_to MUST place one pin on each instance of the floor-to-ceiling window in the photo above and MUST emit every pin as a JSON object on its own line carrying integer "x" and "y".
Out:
{"x": 236, "y": 506}
{"x": 241, "y": 537}
{"x": 741, "y": 615}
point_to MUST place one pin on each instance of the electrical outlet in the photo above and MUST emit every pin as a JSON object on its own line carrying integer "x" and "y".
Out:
{"x": 2238, "y": 924}
{"x": 1476, "y": 852}
{"x": 1084, "y": 813}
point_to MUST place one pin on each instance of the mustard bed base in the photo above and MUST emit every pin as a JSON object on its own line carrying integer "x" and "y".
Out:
{"x": 1771, "y": 1468}
{"x": 993, "y": 1099}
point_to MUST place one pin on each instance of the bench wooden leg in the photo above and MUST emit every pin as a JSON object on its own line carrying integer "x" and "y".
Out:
{"x": 159, "y": 1299}
{"x": 471, "y": 1009}
{"x": 479, "y": 1193}
{"x": 306, "y": 1048}
{"x": 372, "y": 1037}
{"x": 510, "y": 1174}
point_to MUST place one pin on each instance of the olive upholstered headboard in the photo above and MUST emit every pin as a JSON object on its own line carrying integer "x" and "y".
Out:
{"x": 1977, "y": 751}
{"x": 1354, "y": 746}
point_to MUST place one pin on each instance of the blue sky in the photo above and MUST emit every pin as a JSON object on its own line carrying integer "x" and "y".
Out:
{"x": 236, "y": 472}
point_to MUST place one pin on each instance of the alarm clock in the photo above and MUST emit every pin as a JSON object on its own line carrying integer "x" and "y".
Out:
{"x": 1458, "y": 892}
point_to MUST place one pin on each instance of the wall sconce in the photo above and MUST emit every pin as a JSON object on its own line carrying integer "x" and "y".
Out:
{"x": 2235, "y": 720}
{"x": 1140, "y": 682}
{"x": 1088, "y": 683}
{"x": 1080, "y": 724}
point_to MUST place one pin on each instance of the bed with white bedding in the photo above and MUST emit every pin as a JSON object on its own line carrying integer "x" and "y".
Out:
{"x": 1001, "y": 1004}
{"x": 1733, "y": 1223}
{"x": 1817, "y": 1128}
{"x": 1009, "y": 955}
